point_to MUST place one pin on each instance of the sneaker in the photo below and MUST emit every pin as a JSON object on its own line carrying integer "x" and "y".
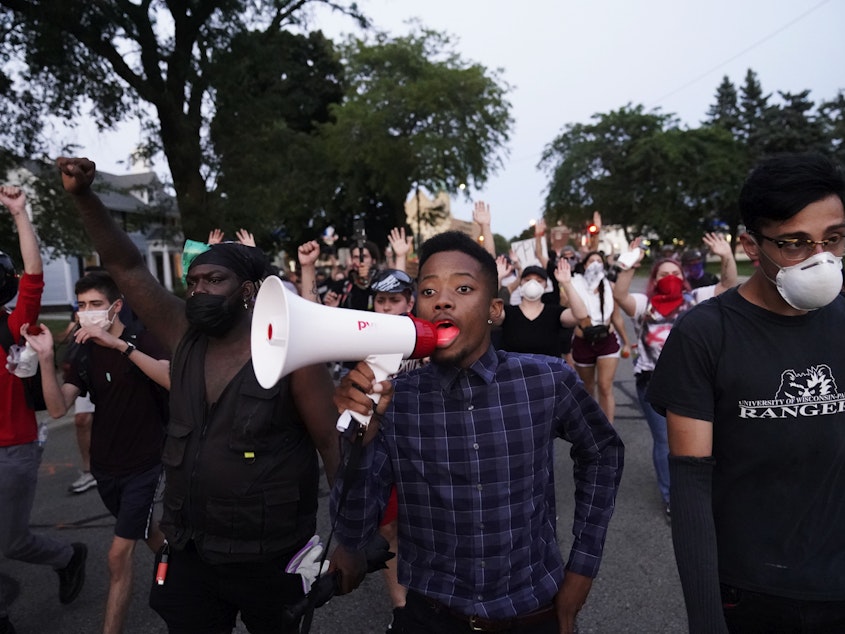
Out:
{"x": 84, "y": 482}
{"x": 72, "y": 576}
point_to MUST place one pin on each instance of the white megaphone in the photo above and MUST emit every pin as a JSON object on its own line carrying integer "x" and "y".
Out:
{"x": 289, "y": 333}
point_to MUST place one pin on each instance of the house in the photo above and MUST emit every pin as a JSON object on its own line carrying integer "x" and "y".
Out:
{"x": 140, "y": 204}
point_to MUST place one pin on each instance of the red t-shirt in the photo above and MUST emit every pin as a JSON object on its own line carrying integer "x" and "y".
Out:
{"x": 17, "y": 421}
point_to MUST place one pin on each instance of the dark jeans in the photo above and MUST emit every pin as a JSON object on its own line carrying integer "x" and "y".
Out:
{"x": 757, "y": 613}
{"x": 419, "y": 617}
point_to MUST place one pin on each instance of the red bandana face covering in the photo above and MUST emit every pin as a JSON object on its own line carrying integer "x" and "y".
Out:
{"x": 668, "y": 294}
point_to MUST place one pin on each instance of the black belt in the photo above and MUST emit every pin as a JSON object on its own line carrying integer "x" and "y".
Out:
{"x": 480, "y": 624}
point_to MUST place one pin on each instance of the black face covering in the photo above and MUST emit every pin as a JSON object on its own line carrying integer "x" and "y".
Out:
{"x": 214, "y": 315}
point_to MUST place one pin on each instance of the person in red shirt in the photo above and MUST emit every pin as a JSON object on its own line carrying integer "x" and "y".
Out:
{"x": 20, "y": 453}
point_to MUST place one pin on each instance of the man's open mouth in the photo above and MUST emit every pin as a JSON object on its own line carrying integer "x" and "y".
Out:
{"x": 446, "y": 333}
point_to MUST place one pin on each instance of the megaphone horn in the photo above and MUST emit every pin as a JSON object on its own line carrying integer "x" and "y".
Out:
{"x": 289, "y": 333}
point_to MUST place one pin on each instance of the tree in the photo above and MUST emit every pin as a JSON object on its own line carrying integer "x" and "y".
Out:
{"x": 754, "y": 106}
{"x": 126, "y": 58}
{"x": 793, "y": 127}
{"x": 415, "y": 115}
{"x": 273, "y": 171}
{"x": 725, "y": 113}
{"x": 590, "y": 167}
{"x": 642, "y": 171}
{"x": 832, "y": 115}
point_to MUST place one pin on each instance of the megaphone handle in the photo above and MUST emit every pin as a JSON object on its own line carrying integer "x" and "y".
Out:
{"x": 383, "y": 366}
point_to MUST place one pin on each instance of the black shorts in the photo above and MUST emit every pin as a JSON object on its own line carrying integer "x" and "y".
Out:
{"x": 198, "y": 597}
{"x": 586, "y": 354}
{"x": 130, "y": 499}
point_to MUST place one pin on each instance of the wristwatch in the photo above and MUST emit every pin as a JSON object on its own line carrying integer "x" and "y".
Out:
{"x": 130, "y": 348}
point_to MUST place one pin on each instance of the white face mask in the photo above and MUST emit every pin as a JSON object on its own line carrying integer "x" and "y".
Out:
{"x": 593, "y": 274}
{"x": 96, "y": 318}
{"x": 811, "y": 284}
{"x": 532, "y": 290}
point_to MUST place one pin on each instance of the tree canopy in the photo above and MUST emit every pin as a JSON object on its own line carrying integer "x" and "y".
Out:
{"x": 646, "y": 172}
{"x": 262, "y": 125}
{"x": 116, "y": 59}
{"x": 415, "y": 115}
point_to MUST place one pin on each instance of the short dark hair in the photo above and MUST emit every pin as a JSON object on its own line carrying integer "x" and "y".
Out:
{"x": 98, "y": 281}
{"x": 371, "y": 247}
{"x": 457, "y": 241}
{"x": 781, "y": 186}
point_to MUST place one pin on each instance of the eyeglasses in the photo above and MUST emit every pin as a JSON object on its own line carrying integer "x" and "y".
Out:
{"x": 796, "y": 249}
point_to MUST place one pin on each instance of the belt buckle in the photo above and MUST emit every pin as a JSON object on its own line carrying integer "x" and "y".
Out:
{"x": 474, "y": 625}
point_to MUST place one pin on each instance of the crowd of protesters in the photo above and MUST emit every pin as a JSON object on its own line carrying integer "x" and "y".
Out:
{"x": 454, "y": 473}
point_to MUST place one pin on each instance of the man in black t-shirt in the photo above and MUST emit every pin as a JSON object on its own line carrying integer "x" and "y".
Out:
{"x": 124, "y": 372}
{"x": 753, "y": 385}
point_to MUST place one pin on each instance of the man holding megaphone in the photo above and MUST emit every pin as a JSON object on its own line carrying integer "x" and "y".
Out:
{"x": 241, "y": 489}
{"x": 467, "y": 442}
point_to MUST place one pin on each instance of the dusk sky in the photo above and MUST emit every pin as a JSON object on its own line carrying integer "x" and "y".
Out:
{"x": 567, "y": 60}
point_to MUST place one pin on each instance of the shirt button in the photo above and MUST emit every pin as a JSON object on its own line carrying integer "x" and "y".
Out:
{"x": 475, "y": 445}
{"x": 480, "y": 598}
{"x": 470, "y": 408}
{"x": 479, "y": 487}
{"x": 481, "y": 526}
{"x": 483, "y": 563}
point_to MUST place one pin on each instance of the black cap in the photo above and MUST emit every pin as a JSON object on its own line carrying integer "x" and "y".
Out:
{"x": 535, "y": 270}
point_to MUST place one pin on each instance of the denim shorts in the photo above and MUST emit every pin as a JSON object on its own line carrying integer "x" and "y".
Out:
{"x": 130, "y": 499}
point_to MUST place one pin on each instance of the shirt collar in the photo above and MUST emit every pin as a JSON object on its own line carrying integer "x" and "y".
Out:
{"x": 484, "y": 367}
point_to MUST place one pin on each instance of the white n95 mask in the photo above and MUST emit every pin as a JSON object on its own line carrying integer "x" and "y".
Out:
{"x": 532, "y": 290}
{"x": 811, "y": 284}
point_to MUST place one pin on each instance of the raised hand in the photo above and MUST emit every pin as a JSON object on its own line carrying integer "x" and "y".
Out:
{"x": 503, "y": 267}
{"x": 14, "y": 198}
{"x": 399, "y": 242}
{"x": 563, "y": 272}
{"x": 481, "y": 213}
{"x": 215, "y": 236}
{"x": 718, "y": 245}
{"x": 245, "y": 237}
{"x": 308, "y": 253}
{"x": 77, "y": 174}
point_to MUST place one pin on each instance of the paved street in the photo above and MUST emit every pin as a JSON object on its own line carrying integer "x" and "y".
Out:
{"x": 637, "y": 589}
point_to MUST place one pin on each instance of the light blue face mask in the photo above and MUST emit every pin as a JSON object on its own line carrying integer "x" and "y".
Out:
{"x": 190, "y": 251}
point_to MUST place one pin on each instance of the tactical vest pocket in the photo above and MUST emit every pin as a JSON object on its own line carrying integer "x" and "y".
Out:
{"x": 247, "y": 524}
{"x": 178, "y": 433}
{"x": 256, "y": 423}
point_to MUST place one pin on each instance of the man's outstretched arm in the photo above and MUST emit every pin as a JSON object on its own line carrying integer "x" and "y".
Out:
{"x": 161, "y": 312}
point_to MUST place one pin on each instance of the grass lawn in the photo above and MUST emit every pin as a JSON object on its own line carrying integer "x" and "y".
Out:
{"x": 744, "y": 268}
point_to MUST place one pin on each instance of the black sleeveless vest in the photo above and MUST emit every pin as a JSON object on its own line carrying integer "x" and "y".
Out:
{"x": 242, "y": 475}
